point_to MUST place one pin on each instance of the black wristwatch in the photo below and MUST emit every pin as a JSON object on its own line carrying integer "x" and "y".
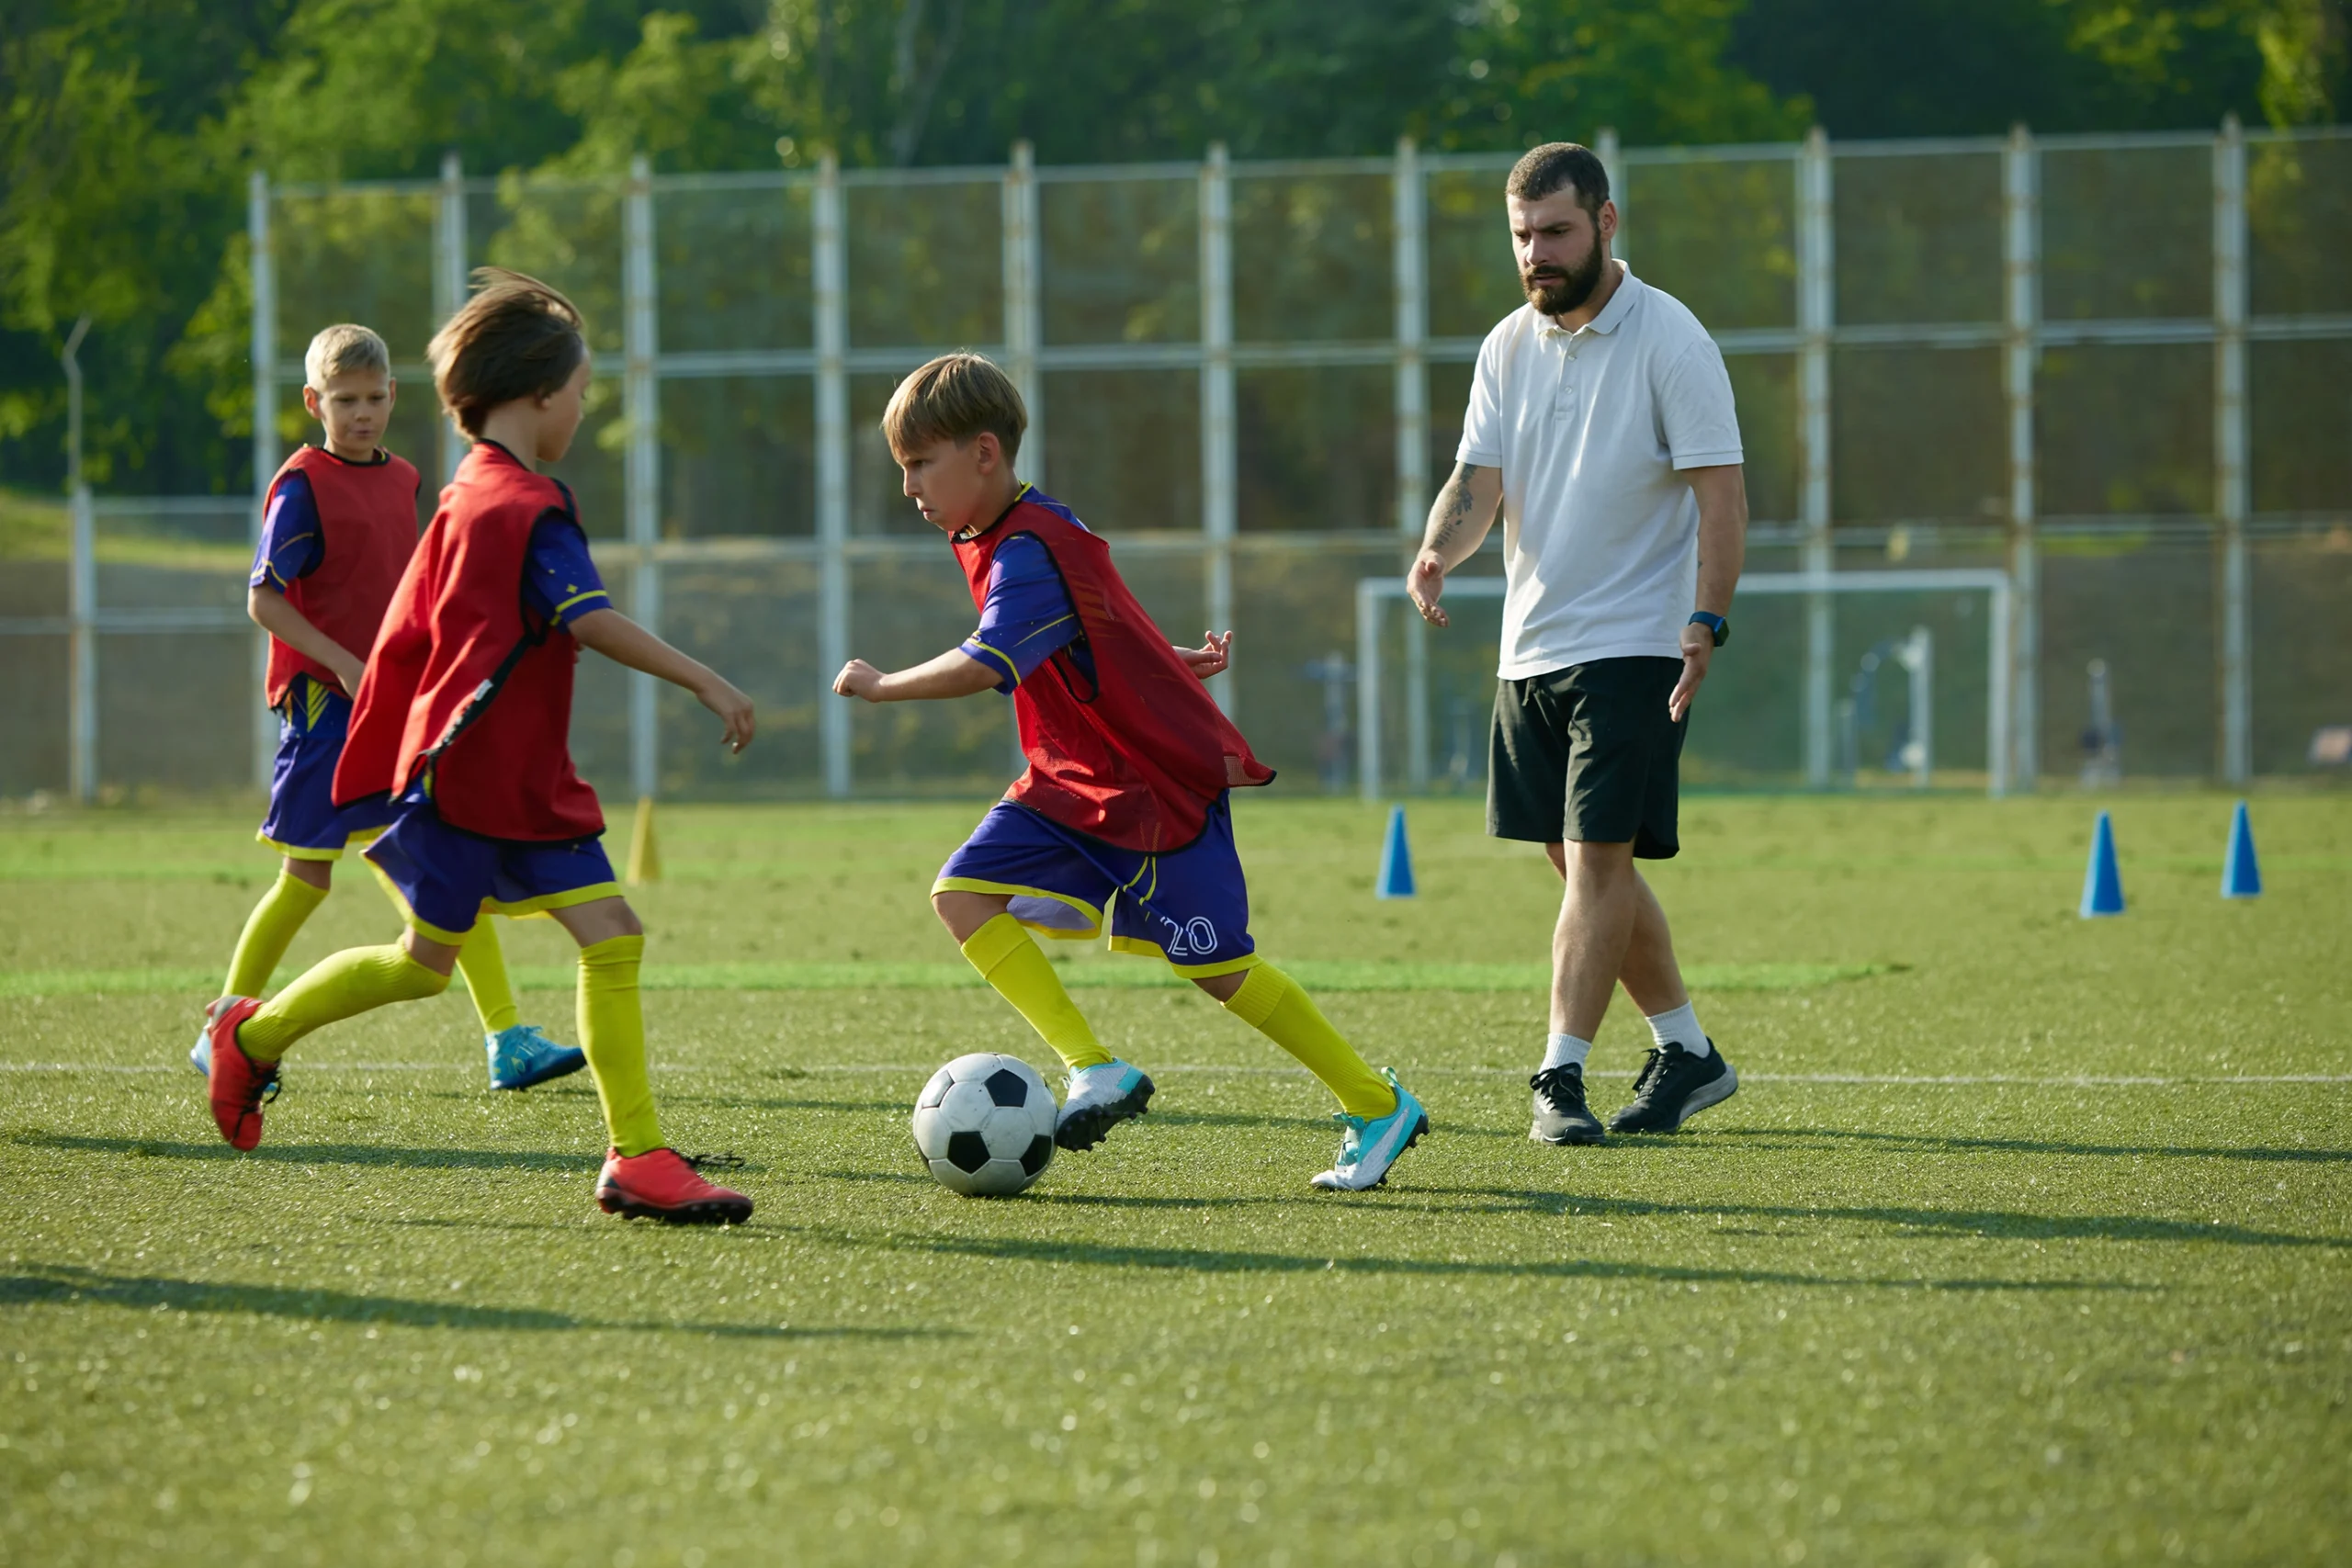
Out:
{"x": 1717, "y": 627}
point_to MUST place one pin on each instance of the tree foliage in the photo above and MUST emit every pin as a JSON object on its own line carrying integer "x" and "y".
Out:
{"x": 126, "y": 126}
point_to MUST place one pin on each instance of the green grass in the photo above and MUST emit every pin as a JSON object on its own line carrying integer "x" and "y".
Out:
{"x": 2028, "y": 1239}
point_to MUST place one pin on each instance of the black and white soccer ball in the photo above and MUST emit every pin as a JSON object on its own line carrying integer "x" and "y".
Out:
{"x": 985, "y": 1125}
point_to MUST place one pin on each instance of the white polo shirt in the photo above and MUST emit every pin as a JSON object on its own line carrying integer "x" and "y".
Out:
{"x": 1601, "y": 534}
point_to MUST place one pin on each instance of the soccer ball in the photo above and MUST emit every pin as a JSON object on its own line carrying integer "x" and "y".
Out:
{"x": 985, "y": 1125}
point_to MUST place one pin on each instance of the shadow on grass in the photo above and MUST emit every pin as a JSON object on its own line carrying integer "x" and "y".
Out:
{"x": 1993, "y": 1224}
{"x": 317, "y": 1154}
{"x": 1194, "y": 1261}
{"x": 62, "y": 1285}
{"x": 1930, "y": 1144}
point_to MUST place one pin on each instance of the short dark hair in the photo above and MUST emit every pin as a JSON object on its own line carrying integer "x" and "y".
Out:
{"x": 954, "y": 398}
{"x": 516, "y": 338}
{"x": 1555, "y": 167}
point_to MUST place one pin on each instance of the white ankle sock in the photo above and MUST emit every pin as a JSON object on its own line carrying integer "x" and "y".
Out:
{"x": 1563, "y": 1050}
{"x": 1680, "y": 1027}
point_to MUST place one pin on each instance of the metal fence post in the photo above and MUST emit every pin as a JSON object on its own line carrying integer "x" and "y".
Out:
{"x": 1023, "y": 336}
{"x": 1411, "y": 223}
{"x": 2021, "y": 298}
{"x": 1023, "y": 326}
{"x": 1217, "y": 461}
{"x": 82, "y": 681}
{"x": 1817, "y": 294}
{"x": 449, "y": 285}
{"x": 1612, "y": 168}
{"x": 830, "y": 269}
{"x": 264, "y": 275}
{"x": 641, "y": 462}
{"x": 2230, "y": 488}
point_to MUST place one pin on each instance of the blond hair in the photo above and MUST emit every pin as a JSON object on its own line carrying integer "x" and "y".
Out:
{"x": 346, "y": 345}
{"x": 516, "y": 338}
{"x": 954, "y": 398}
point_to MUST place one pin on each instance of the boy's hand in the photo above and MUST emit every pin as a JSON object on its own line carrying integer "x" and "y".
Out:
{"x": 733, "y": 708}
{"x": 348, "y": 672}
{"x": 859, "y": 678}
{"x": 1211, "y": 657}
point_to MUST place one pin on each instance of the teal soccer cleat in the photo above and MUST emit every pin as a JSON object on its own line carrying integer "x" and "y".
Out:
{"x": 1369, "y": 1148}
{"x": 522, "y": 1056}
{"x": 1100, "y": 1098}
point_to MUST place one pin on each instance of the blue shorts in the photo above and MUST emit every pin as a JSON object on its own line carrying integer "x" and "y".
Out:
{"x": 304, "y": 822}
{"x": 446, "y": 878}
{"x": 1190, "y": 907}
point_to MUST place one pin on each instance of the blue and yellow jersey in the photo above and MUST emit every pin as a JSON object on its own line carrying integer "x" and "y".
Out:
{"x": 1027, "y": 617}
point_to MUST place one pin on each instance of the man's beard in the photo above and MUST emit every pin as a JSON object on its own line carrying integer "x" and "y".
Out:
{"x": 1554, "y": 293}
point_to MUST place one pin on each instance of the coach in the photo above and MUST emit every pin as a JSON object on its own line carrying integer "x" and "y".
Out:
{"x": 1601, "y": 421}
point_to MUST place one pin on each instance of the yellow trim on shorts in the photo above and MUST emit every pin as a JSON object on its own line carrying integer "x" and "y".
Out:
{"x": 1144, "y": 947}
{"x": 1013, "y": 889}
{"x": 571, "y": 898}
{"x": 519, "y": 909}
{"x": 360, "y": 840}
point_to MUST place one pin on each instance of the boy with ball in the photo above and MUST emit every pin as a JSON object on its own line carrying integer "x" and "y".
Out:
{"x": 1123, "y": 803}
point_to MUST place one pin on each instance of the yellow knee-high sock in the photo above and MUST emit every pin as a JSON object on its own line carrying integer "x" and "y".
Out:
{"x": 340, "y": 985}
{"x": 269, "y": 930}
{"x": 483, "y": 963}
{"x": 612, "y": 1030}
{"x": 1272, "y": 1003}
{"x": 1008, "y": 960}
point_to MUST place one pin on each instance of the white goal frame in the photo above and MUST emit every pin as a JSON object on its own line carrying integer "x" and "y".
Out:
{"x": 1374, "y": 592}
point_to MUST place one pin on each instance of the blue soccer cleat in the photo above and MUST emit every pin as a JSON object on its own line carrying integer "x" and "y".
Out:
{"x": 1368, "y": 1148}
{"x": 522, "y": 1056}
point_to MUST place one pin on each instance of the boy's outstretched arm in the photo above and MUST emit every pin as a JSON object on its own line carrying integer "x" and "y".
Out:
{"x": 624, "y": 642}
{"x": 953, "y": 674}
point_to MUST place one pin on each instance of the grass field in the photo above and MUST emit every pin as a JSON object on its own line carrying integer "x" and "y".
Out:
{"x": 2028, "y": 1239}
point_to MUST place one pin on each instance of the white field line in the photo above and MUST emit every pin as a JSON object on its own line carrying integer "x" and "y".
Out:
{"x": 873, "y": 1069}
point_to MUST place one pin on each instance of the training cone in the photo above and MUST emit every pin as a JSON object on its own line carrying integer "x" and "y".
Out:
{"x": 2241, "y": 876}
{"x": 2102, "y": 883}
{"x": 644, "y": 850}
{"x": 1395, "y": 860}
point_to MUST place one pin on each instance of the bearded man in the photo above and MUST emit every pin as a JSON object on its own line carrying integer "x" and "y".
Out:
{"x": 1601, "y": 423}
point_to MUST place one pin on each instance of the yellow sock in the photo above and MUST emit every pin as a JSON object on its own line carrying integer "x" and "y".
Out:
{"x": 1008, "y": 960}
{"x": 612, "y": 1030}
{"x": 269, "y": 930}
{"x": 1272, "y": 1003}
{"x": 340, "y": 985}
{"x": 483, "y": 963}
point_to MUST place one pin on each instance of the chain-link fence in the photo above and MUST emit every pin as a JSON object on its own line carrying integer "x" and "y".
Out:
{"x": 2117, "y": 369}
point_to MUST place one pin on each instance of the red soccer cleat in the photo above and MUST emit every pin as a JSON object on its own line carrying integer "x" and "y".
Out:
{"x": 661, "y": 1184}
{"x": 240, "y": 1085}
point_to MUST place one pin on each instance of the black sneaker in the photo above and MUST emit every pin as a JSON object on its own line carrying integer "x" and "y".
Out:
{"x": 1674, "y": 1087}
{"x": 1561, "y": 1116}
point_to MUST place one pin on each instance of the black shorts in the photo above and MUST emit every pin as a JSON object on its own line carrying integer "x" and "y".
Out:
{"x": 1587, "y": 755}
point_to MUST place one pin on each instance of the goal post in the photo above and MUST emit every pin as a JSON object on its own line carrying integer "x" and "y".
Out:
{"x": 1373, "y": 594}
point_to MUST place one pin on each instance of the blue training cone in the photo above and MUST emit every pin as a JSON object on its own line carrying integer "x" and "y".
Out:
{"x": 2241, "y": 876}
{"x": 1396, "y": 861}
{"x": 2102, "y": 883}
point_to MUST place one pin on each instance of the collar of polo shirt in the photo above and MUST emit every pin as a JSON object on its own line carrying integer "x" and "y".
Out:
{"x": 1610, "y": 314}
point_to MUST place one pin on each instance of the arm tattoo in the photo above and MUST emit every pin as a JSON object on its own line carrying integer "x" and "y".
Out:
{"x": 1452, "y": 509}
{"x": 1452, "y": 513}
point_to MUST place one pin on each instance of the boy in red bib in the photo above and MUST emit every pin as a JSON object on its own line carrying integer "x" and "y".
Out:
{"x": 1124, "y": 803}
{"x": 459, "y": 728}
{"x": 338, "y": 528}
